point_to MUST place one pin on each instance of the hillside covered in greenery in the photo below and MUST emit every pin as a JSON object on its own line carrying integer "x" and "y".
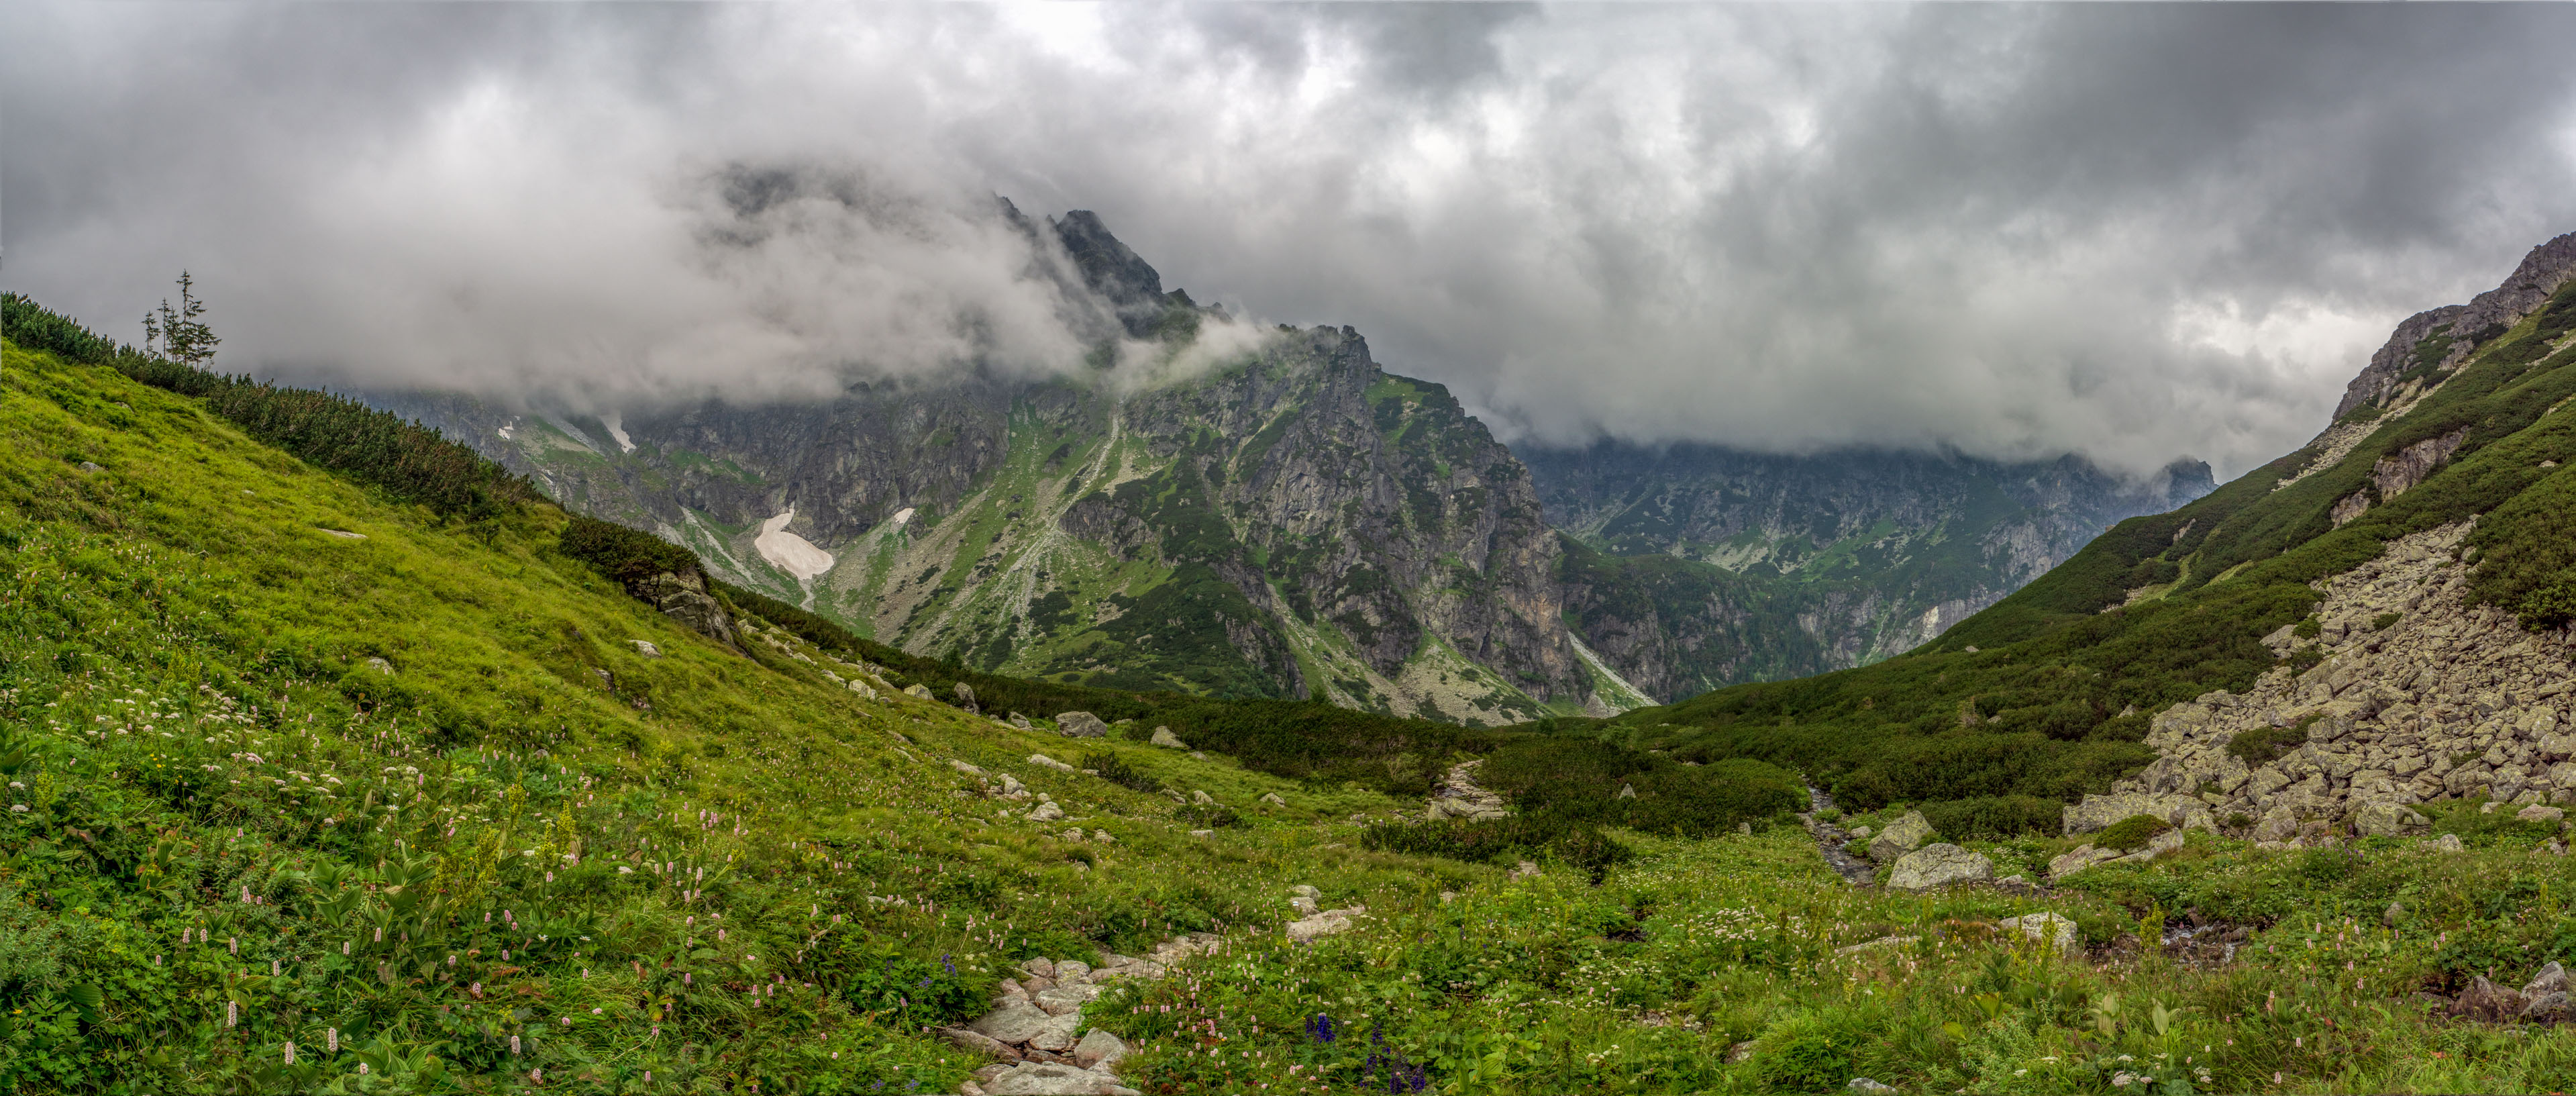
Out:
{"x": 2048, "y": 694}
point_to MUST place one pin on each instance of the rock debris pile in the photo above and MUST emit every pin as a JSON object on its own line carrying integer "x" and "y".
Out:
{"x": 1035, "y": 1033}
{"x": 2418, "y": 697}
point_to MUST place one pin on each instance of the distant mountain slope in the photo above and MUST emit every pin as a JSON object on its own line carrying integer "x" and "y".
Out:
{"x": 2445, "y": 492}
{"x": 1293, "y": 522}
{"x": 1711, "y": 566}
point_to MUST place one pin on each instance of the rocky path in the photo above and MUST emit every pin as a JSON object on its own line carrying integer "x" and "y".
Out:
{"x": 1830, "y": 840}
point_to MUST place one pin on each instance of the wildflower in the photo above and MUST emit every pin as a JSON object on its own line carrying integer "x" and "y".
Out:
{"x": 331, "y": 1040}
{"x": 290, "y": 1054}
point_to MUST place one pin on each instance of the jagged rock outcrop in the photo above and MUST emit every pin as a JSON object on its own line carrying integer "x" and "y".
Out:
{"x": 684, "y": 598}
{"x": 2418, "y": 696}
{"x": 2487, "y": 315}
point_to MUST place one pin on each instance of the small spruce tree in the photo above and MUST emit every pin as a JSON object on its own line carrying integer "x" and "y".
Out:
{"x": 180, "y": 336}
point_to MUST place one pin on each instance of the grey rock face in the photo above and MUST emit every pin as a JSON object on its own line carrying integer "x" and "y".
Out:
{"x": 2540, "y": 274}
{"x": 2099, "y": 811}
{"x": 684, "y": 598}
{"x": 1942, "y": 865}
{"x": 1080, "y": 725}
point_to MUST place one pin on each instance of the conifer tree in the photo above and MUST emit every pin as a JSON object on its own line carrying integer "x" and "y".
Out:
{"x": 183, "y": 338}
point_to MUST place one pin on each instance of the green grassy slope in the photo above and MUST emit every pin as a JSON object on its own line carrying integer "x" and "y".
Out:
{"x": 2044, "y": 696}
{"x": 192, "y": 715}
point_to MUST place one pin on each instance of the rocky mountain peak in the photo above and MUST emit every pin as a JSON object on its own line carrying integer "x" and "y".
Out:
{"x": 2443, "y": 337}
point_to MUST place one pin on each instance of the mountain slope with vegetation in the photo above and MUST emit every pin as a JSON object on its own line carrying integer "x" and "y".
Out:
{"x": 1703, "y": 567}
{"x": 2050, "y": 693}
{"x": 327, "y": 775}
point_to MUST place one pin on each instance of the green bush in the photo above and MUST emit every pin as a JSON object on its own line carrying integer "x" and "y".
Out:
{"x": 2381, "y": 622}
{"x": 623, "y": 554}
{"x": 1488, "y": 840}
{"x": 1116, "y": 771}
{"x": 2132, "y": 832}
{"x": 2264, "y": 745}
{"x": 1995, "y": 816}
{"x": 1581, "y": 778}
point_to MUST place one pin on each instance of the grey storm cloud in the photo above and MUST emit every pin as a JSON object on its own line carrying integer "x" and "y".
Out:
{"x": 2134, "y": 232}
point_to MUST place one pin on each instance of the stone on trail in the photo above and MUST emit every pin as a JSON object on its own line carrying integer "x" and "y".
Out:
{"x": 1057, "y": 1035}
{"x": 1935, "y": 866}
{"x": 1900, "y": 837}
{"x": 1080, "y": 725}
{"x": 1164, "y": 738}
{"x": 1052, "y": 1079}
{"x": 980, "y": 1043}
{"x": 1014, "y": 1022}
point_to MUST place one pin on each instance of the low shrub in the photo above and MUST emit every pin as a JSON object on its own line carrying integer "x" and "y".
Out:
{"x": 2263, "y": 745}
{"x": 2132, "y": 832}
{"x": 1483, "y": 840}
{"x": 1995, "y": 816}
{"x": 1116, "y": 771}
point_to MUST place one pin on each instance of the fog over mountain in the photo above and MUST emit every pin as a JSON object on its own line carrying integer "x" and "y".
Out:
{"x": 2132, "y": 232}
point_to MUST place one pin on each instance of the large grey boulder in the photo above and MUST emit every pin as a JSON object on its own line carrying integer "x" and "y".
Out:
{"x": 2083, "y": 856}
{"x": 1164, "y": 738}
{"x": 1080, "y": 725}
{"x": 684, "y": 598}
{"x": 1935, "y": 866}
{"x": 2099, "y": 811}
{"x": 1900, "y": 837}
{"x": 2385, "y": 819}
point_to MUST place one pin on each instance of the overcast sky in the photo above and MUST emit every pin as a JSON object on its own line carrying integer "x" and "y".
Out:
{"x": 2135, "y": 232}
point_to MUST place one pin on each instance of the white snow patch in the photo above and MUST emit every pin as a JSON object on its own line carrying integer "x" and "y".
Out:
{"x": 616, "y": 429}
{"x": 789, "y": 552}
{"x": 903, "y": 515}
{"x": 509, "y": 428}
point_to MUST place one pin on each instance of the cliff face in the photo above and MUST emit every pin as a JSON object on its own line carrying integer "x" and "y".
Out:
{"x": 2439, "y": 339}
{"x": 1708, "y": 566}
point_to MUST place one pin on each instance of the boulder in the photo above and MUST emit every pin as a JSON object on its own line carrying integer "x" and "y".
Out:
{"x": 966, "y": 698}
{"x": 2545, "y": 1008}
{"x": 917, "y": 689}
{"x": 1273, "y": 799}
{"x": 2386, "y": 819}
{"x": 1046, "y": 812}
{"x": 2449, "y": 842}
{"x": 1057, "y": 1035}
{"x": 2485, "y": 1000}
{"x": 1900, "y": 837}
{"x": 2539, "y": 813}
{"x": 1326, "y": 923}
{"x": 1202, "y": 799}
{"x": 963, "y": 767}
{"x": 2550, "y": 979}
{"x": 1044, "y": 762}
{"x": 2098, "y": 811}
{"x": 1099, "y": 1049}
{"x": 1935, "y": 866}
{"x": 2278, "y": 824}
{"x": 1164, "y": 738}
{"x": 2083, "y": 857}
{"x": 646, "y": 648}
{"x": 1080, "y": 725}
{"x": 2048, "y": 928}
{"x": 684, "y": 599}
